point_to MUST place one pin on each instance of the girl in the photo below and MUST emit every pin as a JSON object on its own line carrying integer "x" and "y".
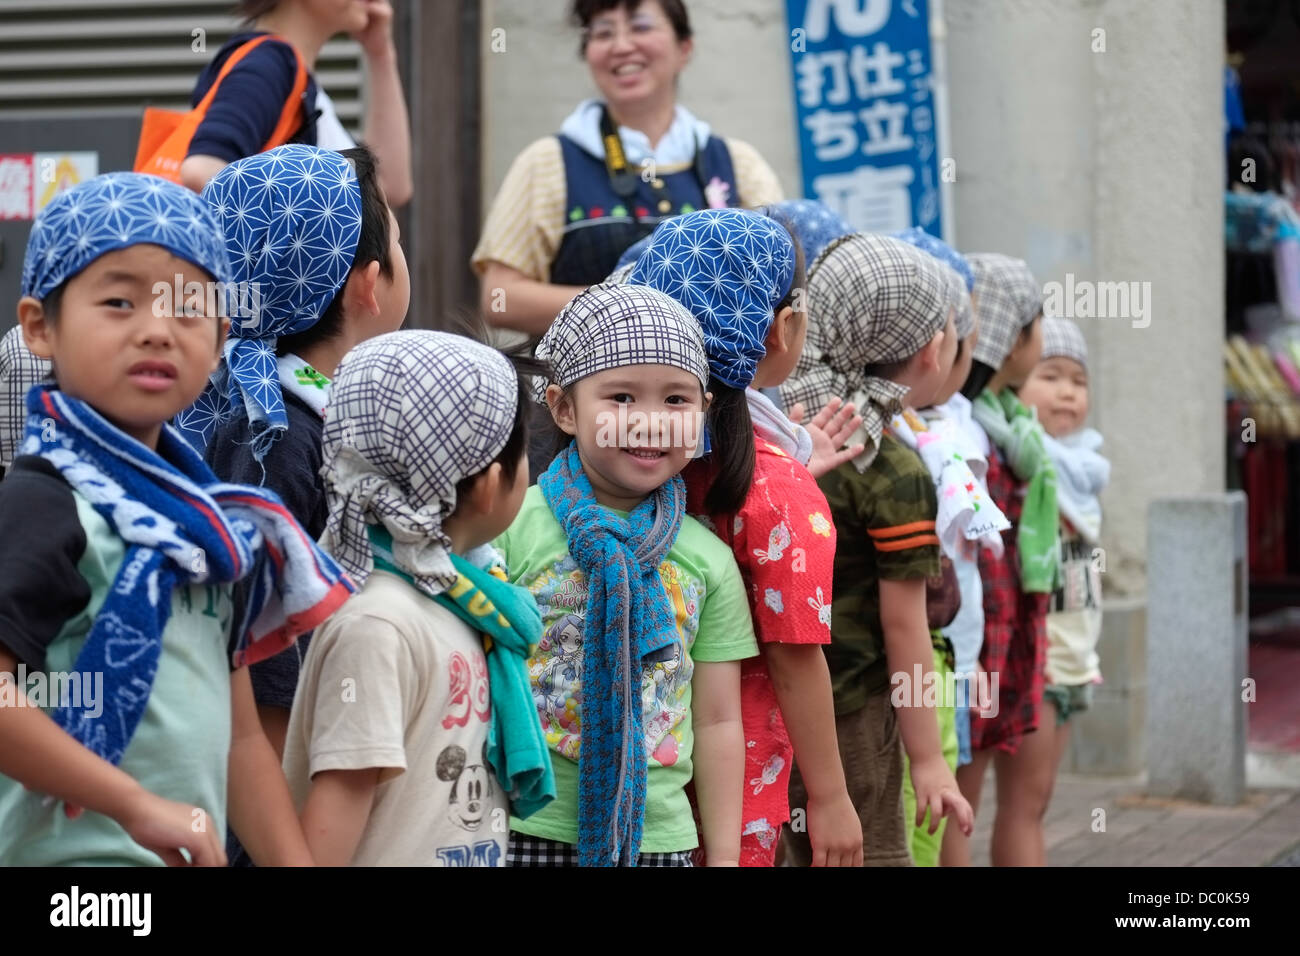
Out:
{"x": 1022, "y": 482}
{"x": 738, "y": 273}
{"x": 654, "y": 680}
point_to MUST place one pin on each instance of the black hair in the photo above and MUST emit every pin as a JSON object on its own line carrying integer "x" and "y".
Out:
{"x": 731, "y": 435}
{"x": 372, "y": 246}
{"x": 52, "y": 304}
{"x": 584, "y": 11}
{"x": 981, "y": 372}
{"x": 470, "y": 324}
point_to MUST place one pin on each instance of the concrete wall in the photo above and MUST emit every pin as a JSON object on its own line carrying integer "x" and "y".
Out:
{"x": 1106, "y": 165}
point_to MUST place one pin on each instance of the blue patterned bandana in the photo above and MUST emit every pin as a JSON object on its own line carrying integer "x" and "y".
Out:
{"x": 945, "y": 253}
{"x": 292, "y": 217}
{"x": 114, "y": 211}
{"x": 814, "y": 224}
{"x": 729, "y": 268}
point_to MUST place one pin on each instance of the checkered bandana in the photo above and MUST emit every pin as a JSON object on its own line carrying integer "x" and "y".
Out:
{"x": 114, "y": 211}
{"x": 1008, "y": 299}
{"x": 19, "y": 371}
{"x": 729, "y": 267}
{"x": 916, "y": 236}
{"x": 410, "y": 415}
{"x": 1062, "y": 338}
{"x": 292, "y": 217}
{"x": 814, "y": 224}
{"x": 871, "y": 300}
{"x": 611, "y": 326}
{"x": 959, "y": 300}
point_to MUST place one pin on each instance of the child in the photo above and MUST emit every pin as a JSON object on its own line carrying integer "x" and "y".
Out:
{"x": 319, "y": 283}
{"x": 1057, "y": 389}
{"x": 119, "y": 552}
{"x": 397, "y": 725}
{"x": 880, "y": 330}
{"x": 764, "y": 504}
{"x": 637, "y": 676}
{"x": 19, "y": 371}
{"x": 1017, "y": 584}
{"x": 966, "y": 519}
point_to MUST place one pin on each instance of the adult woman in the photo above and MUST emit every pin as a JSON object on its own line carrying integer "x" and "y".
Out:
{"x": 244, "y": 113}
{"x": 571, "y": 203}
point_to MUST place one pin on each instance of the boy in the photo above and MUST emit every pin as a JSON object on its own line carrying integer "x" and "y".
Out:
{"x": 880, "y": 332}
{"x": 119, "y": 551}
{"x": 397, "y": 727}
{"x": 321, "y": 284}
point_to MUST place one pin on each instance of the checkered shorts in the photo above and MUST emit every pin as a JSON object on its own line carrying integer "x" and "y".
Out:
{"x": 526, "y": 850}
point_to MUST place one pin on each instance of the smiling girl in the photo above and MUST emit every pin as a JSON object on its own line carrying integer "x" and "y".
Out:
{"x": 649, "y": 699}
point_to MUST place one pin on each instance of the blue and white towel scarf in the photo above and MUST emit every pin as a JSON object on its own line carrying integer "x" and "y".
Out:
{"x": 627, "y": 617}
{"x": 181, "y": 526}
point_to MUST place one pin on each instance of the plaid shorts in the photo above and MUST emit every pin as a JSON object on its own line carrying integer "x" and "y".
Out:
{"x": 527, "y": 850}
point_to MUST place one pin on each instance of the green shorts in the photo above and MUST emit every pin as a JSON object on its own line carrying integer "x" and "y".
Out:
{"x": 923, "y": 845}
{"x": 1069, "y": 699}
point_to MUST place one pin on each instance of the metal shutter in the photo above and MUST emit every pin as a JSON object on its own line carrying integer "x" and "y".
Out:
{"x": 70, "y": 58}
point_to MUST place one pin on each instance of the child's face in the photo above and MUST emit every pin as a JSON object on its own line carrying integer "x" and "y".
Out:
{"x": 636, "y": 427}
{"x": 925, "y": 389}
{"x": 120, "y": 347}
{"x": 1024, "y": 355}
{"x": 1058, "y": 388}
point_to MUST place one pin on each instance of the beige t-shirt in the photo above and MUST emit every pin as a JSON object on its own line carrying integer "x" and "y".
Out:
{"x": 525, "y": 225}
{"x": 396, "y": 681}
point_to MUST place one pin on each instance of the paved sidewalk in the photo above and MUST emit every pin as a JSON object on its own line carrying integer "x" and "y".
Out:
{"x": 1148, "y": 831}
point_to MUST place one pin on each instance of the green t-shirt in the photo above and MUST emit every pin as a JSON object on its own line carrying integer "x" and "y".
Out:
{"x": 712, "y": 612}
{"x": 884, "y": 524}
{"x": 182, "y": 744}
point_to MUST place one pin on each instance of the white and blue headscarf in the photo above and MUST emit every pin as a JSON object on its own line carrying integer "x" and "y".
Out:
{"x": 916, "y": 236}
{"x": 814, "y": 224}
{"x": 292, "y": 218}
{"x": 729, "y": 268}
{"x": 112, "y": 212}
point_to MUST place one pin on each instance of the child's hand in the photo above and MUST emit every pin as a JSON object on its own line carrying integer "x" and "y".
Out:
{"x": 829, "y": 430}
{"x": 936, "y": 791}
{"x": 167, "y": 827}
{"x": 834, "y": 831}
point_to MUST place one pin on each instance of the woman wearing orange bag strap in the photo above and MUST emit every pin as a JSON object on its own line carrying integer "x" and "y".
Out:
{"x": 248, "y": 105}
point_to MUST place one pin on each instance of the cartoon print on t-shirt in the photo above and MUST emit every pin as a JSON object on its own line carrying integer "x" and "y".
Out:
{"x": 777, "y": 542}
{"x": 471, "y": 787}
{"x": 557, "y": 687}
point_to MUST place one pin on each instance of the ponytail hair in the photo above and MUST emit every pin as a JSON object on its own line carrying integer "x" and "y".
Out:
{"x": 731, "y": 435}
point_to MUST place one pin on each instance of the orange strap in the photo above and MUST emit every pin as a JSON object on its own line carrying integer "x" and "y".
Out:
{"x": 288, "y": 122}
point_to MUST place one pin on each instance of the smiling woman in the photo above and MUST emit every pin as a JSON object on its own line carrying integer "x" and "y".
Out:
{"x": 571, "y": 203}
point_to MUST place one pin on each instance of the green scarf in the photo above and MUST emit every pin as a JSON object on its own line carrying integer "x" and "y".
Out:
{"x": 507, "y": 617}
{"x": 1015, "y": 431}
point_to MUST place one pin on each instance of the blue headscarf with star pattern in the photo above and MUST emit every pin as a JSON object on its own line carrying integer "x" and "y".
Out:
{"x": 292, "y": 218}
{"x": 112, "y": 212}
{"x": 814, "y": 224}
{"x": 729, "y": 268}
{"x": 916, "y": 236}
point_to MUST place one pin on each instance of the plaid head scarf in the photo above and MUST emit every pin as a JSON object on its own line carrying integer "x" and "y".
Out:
{"x": 19, "y": 371}
{"x": 410, "y": 415}
{"x": 292, "y": 217}
{"x": 1063, "y": 339}
{"x": 730, "y": 268}
{"x": 959, "y": 300}
{"x": 871, "y": 300}
{"x": 1009, "y": 299}
{"x": 609, "y": 326}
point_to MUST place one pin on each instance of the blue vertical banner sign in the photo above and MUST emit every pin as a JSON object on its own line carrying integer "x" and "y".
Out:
{"x": 869, "y": 114}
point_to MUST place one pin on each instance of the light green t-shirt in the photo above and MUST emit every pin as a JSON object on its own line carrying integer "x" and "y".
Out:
{"x": 181, "y": 745}
{"x": 712, "y": 613}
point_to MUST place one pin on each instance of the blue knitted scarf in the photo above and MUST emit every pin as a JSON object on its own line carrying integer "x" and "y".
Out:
{"x": 627, "y": 617}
